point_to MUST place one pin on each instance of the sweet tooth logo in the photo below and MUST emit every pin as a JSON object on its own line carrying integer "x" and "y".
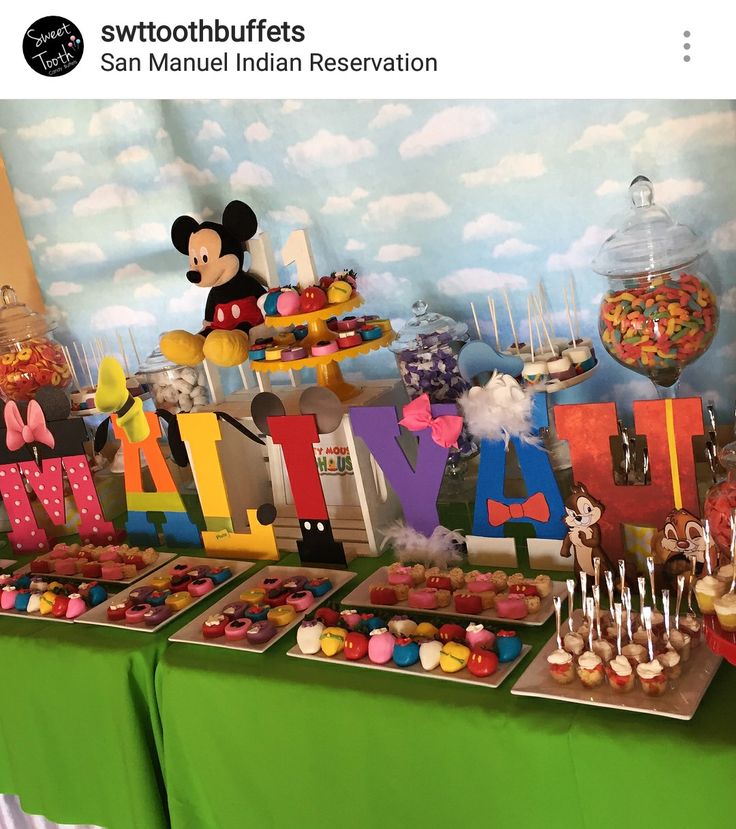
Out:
{"x": 53, "y": 46}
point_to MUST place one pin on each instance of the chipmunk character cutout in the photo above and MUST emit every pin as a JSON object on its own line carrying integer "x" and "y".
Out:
{"x": 681, "y": 537}
{"x": 583, "y": 540}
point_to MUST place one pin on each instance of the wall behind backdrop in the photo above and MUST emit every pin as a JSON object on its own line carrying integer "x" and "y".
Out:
{"x": 440, "y": 200}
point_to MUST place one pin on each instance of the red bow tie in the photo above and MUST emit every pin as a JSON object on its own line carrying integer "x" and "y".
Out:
{"x": 535, "y": 507}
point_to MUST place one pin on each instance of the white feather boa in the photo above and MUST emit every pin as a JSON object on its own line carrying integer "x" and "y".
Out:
{"x": 412, "y": 546}
{"x": 499, "y": 410}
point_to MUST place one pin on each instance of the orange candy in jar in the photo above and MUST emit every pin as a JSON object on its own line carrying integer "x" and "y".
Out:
{"x": 29, "y": 357}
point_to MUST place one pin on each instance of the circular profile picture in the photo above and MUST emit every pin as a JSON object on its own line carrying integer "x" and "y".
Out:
{"x": 52, "y": 46}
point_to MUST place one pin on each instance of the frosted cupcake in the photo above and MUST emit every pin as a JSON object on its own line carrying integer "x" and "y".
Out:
{"x": 590, "y": 669}
{"x": 561, "y": 666}
{"x": 620, "y": 674}
{"x": 707, "y": 590}
{"x": 725, "y": 607}
{"x": 652, "y": 678}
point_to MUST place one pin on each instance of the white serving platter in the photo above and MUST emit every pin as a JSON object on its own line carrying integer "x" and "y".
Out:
{"x": 361, "y": 597}
{"x": 464, "y": 676}
{"x": 680, "y": 702}
{"x": 163, "y": 558}
{"x": 192, "y": 634}
{"x": 98, "y": 615}
{"x": 22, "y": 614}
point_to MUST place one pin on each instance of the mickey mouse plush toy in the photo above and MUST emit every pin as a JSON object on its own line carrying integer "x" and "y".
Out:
{"x": 216, "y": 259}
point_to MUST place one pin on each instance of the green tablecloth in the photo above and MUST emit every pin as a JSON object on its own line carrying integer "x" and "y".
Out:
{"x": 267, "y": 740}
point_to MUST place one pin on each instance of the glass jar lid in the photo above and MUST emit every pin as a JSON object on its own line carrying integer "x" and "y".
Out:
{"x": 18, "y": 322}
{"x": 156, "y": 362}
{"x": 649, "y": 241}
{"x": 427, "y": 330}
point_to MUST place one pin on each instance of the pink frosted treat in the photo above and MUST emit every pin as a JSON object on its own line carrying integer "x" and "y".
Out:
{"x": 112, "y": 570}
{"x": 511, "y": 607}
{"x": 423, "y": 598}
{"x": 400, "y": 575}
{"x": 481, "y": 582}
{"x": 351, "y": 618}
{"x": 65, "y": 566}
{"x": 476, "y": 636}
{"x": 110, "y": 554}
{"x": 380, "y": 646}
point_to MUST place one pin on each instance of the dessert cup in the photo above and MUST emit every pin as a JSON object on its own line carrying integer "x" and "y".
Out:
{"x": 707, "y": 590}
{"x": 725, "y": 607}
{"x": 561, "y": 666}
{"x": 620, "y": 675}
{"x": 652, "y": 678}
{"x": 590, "y": 669}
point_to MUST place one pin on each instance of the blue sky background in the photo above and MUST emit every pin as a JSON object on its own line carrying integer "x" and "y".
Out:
{"x": 441, "y": 200}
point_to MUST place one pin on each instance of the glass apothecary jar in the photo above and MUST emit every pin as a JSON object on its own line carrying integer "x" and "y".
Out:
{"x": 719, "y": 506}
{"x": 659, "y": 313}
{"x": 173, "y": 387}
{"x": 29, "y": 356}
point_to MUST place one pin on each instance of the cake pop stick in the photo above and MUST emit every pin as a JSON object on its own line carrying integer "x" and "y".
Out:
{"x": 597, "y": 603}
{"x": 622, "y": 574}
{"x": 597, "y": 571}
{"x": 642, "y": 582}
{"x": 511, "y": 320}
{"x": 494, "y": 320}
{"x": 557, "y": 602}
{"x": 583, "y": 588}
{"x": 475, "y": 318}
{"x": 544, "y": 325}
{"x": 123, "y": 354}
{"x": 570, "y": 602}
{"x": 646, "y": 613}
{"x": 569, "y": 318}
{"x": 650, "y": 570}
{"x": 72, "y": 371}
{"x": 618, "y": 618}
{"x": 590, "y": 613}
{"x": 529, "y": 319}
{"x": 626, "y": 598}
{"x": 83, "y": 364}
{"x": 608, "y": 575}
{"x": 678, "y": 601}
{"x": 666, "y": 612}
{"x": 706, "y": 542}
{"x": 691, "y": 584}
{"x": 574, "y": 303}
{"x": 135, "y": 347}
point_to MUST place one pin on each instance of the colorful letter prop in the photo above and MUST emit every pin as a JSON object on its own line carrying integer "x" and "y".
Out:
{"x": 669, "y": 427}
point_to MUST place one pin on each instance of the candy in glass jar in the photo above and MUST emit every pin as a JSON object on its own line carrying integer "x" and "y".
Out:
{"x": 29, "y": 356}
{"x": 173, "y": 387}
{"x": 659, "y": 313}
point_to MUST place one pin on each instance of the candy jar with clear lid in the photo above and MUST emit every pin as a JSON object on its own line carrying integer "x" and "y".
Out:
{"x": 29, "y": 356}
{"x": 659, "y": 313}
{"x": 173, "y": 387}
{"x": 426, "y": 350}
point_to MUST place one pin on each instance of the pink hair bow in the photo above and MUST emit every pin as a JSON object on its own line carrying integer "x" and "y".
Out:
{"x": 418, "y": 416}
{"x": 20, "y": 433}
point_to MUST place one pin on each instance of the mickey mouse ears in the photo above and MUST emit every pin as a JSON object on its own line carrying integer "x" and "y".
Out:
{"x": 316, "y": 400}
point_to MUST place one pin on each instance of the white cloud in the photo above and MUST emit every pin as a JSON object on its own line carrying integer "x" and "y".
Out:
{"x": 456, "y": 123}
{"x": 637, "y": 389}
{"x": 133, "y": 155}
{"x": 218, "y": 154}
{"x": 390, "y": 211}
{"x": 581, "y": 251}
{"x": 147, "y": 291}
{"x": 191, "y": 300}
{"x": 63, "y": 160}
{"x": 609, "y": 187}
{"x": 512, "y": 167}
{"x": 117, "y": 316}
{"x": 512, "y": 247}
{"x": 29, "y": 205}
{"x": 291, "y": 106}
{"x": 257, "y": 131}
{"x": 354, "y": 244}
{"x": 250, "y": 174}
{"x": 37, "y": 240}
{"x": 65, "y": 254}
{"x": 50, "y": 128}
{"x": 147, "y": 232}
{"x": 67, "y": 183}
{"x": 291, "y": 215}
{"x": 161, "y": 134}
{"x": 727, "y": 351}
{"x": 64, "y": 288}
{"x": 728, "y": 300}
{"x": 388, "y": 114}
{"x": 327, "y": 149}
{"x": 479, "y": 281}
{"x": 106, "y": 197}
{"x": 710, "y": 129}
{"x": 395, "y": 253}
{"x": 487, "y": 225}
{"x": 596, "y": 135}
{"x": 131, "y": 271}
{"x": 724, "y": 237}
{"x": 122, "y": 117}
{"x": 181, "y": 170}
{"x": 378, "y": 286}
{"x": 343, "y": 204}
{"x": 210, "y": 130}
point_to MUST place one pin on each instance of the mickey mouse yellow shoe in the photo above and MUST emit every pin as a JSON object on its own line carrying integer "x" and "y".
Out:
{"x": 112, "y": 396}
{"x": 226, "y": 348}
{"x": 182, "y": 347}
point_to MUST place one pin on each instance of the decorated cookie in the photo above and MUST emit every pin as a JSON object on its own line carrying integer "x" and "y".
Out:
{"x": 356, "y": 645}
{"x": 380, "y": 646}
{"x": 482, "y": 662}
{"x": 454, "y": 657}
{"x": 406, "y": 652}
{"x": 508, "y": 645}
{"x": 308, "y": 636}
{"x": 332, "y": 640}
{"x": 429, "y": 654}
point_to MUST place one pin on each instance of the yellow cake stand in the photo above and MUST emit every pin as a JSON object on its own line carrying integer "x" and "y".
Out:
{"x": 326, "y": 366}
